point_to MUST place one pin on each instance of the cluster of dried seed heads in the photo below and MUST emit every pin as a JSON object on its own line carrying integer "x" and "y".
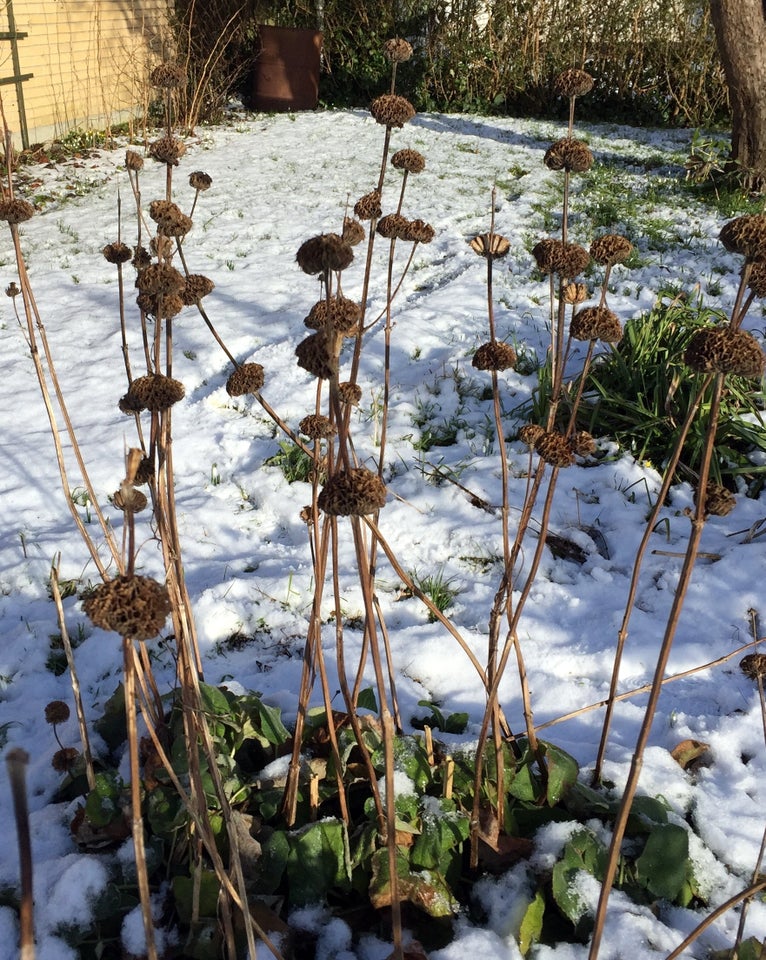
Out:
{"x": 491, "y": 245}
{"x": 195, "y": 288}
{"x": 131, "y": 605}
{"x": 247, "y": 378}
{"x": 494, "y": 355}
{"x": 746, "y": 236}
{"x": 569, "y": 154}
{"x": 353, "y": 231}
{"x": 317, "y": 427}
{"x": 168, "y": 150}
{"x": 200, "y": 181}
{"x": 397, "y": 50}
{"x": 315, "y": 354}
{"x": 610, "y": 249}
{"x": 409, "y": 160}
{"x": 573, "y": 83}
{"x": 167, "y": 76}
{"x": 557, "y": 256}
{"x": 153, "y": 392}
{"x": 117, "y": 252}
{"x": 328, "y": 251}
{"x": 391, "y": 110}
{"x": 339, "y": 313}
{"x": 719, "y": 502}
{"x": 554, "y": 448}
{"x": 723, "y": 350}
{"x": 368, "y": 207}
{"x": 352, "y": 493}
{"x": 596, "y": 323}
{"x": 15, "y": 211}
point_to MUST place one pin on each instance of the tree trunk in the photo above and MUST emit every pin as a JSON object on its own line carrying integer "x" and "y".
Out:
{"x": 740, "y": 28}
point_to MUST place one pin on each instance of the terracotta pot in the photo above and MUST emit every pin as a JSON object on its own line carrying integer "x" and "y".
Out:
{"x": 286, "y": 72}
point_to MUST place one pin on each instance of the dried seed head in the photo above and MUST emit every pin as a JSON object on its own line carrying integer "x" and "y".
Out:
{"x": 128, "y": 498}
{"x": 174, "y": 225}
{"x": 200, "y": 181}
{"x": 141, "y": 258}
{"x": 315, "y": 355}
{"x": 494, "y": 355}
{"x": 131, "y": 605}
{"x": 596, "y": 323}
{"x": 159, "y": 305}
{"x": 746, "y": 235}
{"x": 167, "y": 150}
{"x": 757, "y": 278}
{"x": 134, "y": 161}
{"x": 341, "y": 314}
{"x": 574, "y": 293}
{"x": 353, "y": 232}
{"x": 352, "y": 493}
{"x": 397, "y": 50}
{"x": 247, "y": 378}
{"x": 611, "y": 248}
{"x": 349, "y": 393}
{"x": 117, "y": 253}
{"x": 554, "y": 449}
{"x": 153, "y": 392}
{"x": 565, "y": 259}
{"x": 145, "y": 471}
{"x": 719, "y": 502}
{"x": 316, "y": 427}
{"x": 568, "y": 154}
{"x": 491, "y": 245}
{"x": 160, "y": 278}
{"x": 723, "y": 350}
{"x": 391, "y": 110}
{"x": 328, "y": 251}
{"x": 582, "y": 444}
{"x": 162, "y": 247}
{"x": 162, "y": 208}
{"x": 63, "y": 760}
{"x": 753, "y": 665}
{"x": 196, "y": 287}
{"x": 393, "y": 226}
{"x": 12, "y": 289}
{"x": 573, "y": 83}
{"x": 409, "y": 160}
{"x": 167, "y": 76}
{"x": 15, "y": 211}
{"x": 418, "y": 231}
{"x": 368, "y": 207}
{"x": 56, "y": 712}
{"x": 530, "y": 433}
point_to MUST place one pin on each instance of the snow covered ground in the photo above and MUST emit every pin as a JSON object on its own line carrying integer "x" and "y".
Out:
{"x": 277, "y": 181}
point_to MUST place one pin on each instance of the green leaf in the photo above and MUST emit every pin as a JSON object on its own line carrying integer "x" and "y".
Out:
{"x": 456, "y": 723}
{"x": 662, "y": 867}
{"x": 426, "y": 889}
{"x": 437, "y": 836}
{"x": 271, "y": 727}
{"x": 532, "y": 923}
{"x": 102, "y": 804}
{"x": 183, "y": 893}
{"x": 645, "y": 809}
{"x": 526, "y": 785}
{"x": 111, "y": 725}
{"x": 585, "y": 853}
{"x": 273, "y": 861}
{"x": 366, "y": 700}
{"x": 562, "y": 773}
{"x": 318, "y": 861}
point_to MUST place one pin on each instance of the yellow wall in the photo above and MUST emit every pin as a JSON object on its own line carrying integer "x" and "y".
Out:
{"x": 90, "y": 60}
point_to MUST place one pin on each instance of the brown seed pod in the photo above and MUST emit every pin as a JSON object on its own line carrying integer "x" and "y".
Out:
{"x": 568, "y": 154}
{"x": 574, "y": 293}
{"x": 317, "y": 427}
{"x": 393, "y": 226}
{"x": 56, "y": 712}
{"x": 753, "y": 665}
{"x": 596, "y": 323}
{"x": 328, "y": 251}
{"x": 196, "y": 287}
{"x": 409, "y": 160}
{"x": 15, "y": 211}
{"x": 158, "y": 209}
{"x": 128, "y": 498}
{"x": 64, "y": 759}
{"x": 491, "y": 245}
{"x": 611, "y": 248}
{"x": 141, "y": 258}
{"x": 159, "y": 305}
{"x": 352, "y": 493}
{"x": 162, "y": 247}
{"x": 349, "y": 393}
{"x": 564, "y": 259}
{"x": 200, "y": 181}
{"x": 573, "y": 83}
{"x": 167, "y": 76}
{"x": 582, "y": 444}
{"x": 719, "y": 502}
{"x": 167, "y": 150}
{"x": 757, "y": 279}
{"x": 418, "y": 231}
{"x": 174, "y": 225}
{"x": 145, "y": 471}
{"x": 723, "y": 350}
{"x": 391, "y": 110}
{"x": 131, "y": 605}
{"x": 341, "y": 314}
{"x": 117, "y": 252}
{"x": 247, "y": 378}
{"x": 154, "y": 392}
{"x": 353, "y": 232}
{"x": 494, "y": 355}
{"x": 368, "y": 207}
{"x": 746, "y": 236}
{"x": 530, "y": 433}
{"x": 315, "y": 355}
{"x": 397, "y": 50}
{"x": 12, "y": 290}
{"x": 134, "y": 161}
{"x": 160, "y": 278}
{"x": 554, "y": 449}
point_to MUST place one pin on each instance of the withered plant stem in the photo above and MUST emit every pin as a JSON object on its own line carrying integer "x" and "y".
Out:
{"x": 649, "y": 527}
{"x": 16, "y": 761}
{"x": 73, "y": 676}
{"x": 697, "y": 525}
{"x": 711, "y": 918}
